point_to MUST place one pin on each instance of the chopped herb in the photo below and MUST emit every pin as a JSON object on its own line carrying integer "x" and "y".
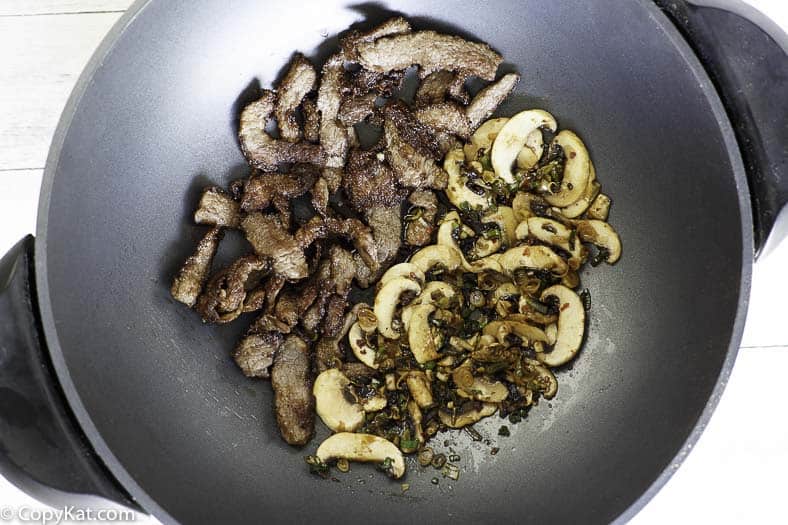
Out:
{"x": 504, "y": 431}
{"x": 408, "y": 445}
{"x": 451, "y": 472}
{"x": 405, "y": 487}
{"x": 434, "y": 481}
{"x": 473, "y": 433}
{"x": 454, "y": 457}
{"x": 439, "y": 460}
{"x": 585, "y": 296}
{"x": 425, "y": 457}
{"x": 343, "y": 465}
{"x": 386, "y": 466}
{"x": 317, "y": 466}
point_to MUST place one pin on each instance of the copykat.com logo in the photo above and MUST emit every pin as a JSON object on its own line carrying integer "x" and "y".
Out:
{"x": 69, "y": 514}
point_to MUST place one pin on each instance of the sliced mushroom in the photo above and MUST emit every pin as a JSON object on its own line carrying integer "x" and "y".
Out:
{"x": 551, "y": 331}
{"x": 555, "y": 233}
{"x": 439, "y": 293}
{"x": 374, "y": 403}
{"x": 503, "y": 216}
{"x": 420, "y": 389}
{"x": 436, "y": 255}
{"x": 483, "y": 139}
{"x": 364, "y": 448}
{"x": 386, "y": 302}
{"x": 577, "y": 170}
{"x": 409, "y": 270}
{"x": 334, "y": 403}
{"x": 466, "y": 416}
{"x": 521, "y": 232}
{"x": 513, "y": 136}
{"x": 485, "y": 389}
{"x": 531, "y": 152}
{"x": 522, "y": 205}
{"x": 502, "y": 328}
{"x": 491, "y": 263}
{"x": 457, "y": 191}
{"x": 532, "y": 258}
{"x": 571, "y": 325}
{"x": 531, "y": 314}
{"x": 600, "y": 234}
{"x": 421, "y": 336}
{"x": 360, "y": 347}
{"x": 416, "y": 418}
{"x": 599, "y": 208}
{"x": 545, "y": 382}
{"x": 581, "y": 205}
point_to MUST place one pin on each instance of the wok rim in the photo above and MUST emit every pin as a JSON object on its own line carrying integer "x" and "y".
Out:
{"x": 147, "y": 501}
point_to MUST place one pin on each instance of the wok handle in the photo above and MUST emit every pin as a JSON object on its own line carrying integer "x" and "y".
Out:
{"x": 42, "y": 449}
{"x": 744, "y": 53}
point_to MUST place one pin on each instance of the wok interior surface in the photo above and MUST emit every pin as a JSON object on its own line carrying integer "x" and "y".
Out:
{"x": 194, "y": 441}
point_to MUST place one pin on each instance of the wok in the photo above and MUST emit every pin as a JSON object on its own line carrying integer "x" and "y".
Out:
{"x": 109, "y": 388}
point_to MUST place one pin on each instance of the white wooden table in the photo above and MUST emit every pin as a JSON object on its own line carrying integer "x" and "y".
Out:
{"x": 736, "y": 474}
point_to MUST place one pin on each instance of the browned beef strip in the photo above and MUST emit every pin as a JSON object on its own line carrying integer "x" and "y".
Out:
{"x": 262, "y": 190}
{"x": 291, "y": 379}
{"x": 333, "y": 135}
{"x": 311, "y": 119}
{"x": 355, "y": 109}
{"x": 217, "y": 208}
{"x": 412, "y": 149}
{"x": 419, "y": 229}
{"x": 255, "y": 353}
{"x": 445, "y": 116}
{"x": 488, "y": 99}
{"x": 386, "y": 225}
{"x": 431, "y": 51}
{"x": 264, "y": 152}
{"x": 363, "y": 82}
{"x": 270, "y": 239}
{"x": 320, "y": 196}
{"x": 298, "y": 81}
{"x": 223, "y": 298}
{"x": 392, "y": 26}
{"x": 434, "y": 87}
{"x": 370, "y": 182}
{"x": 188, "y": 283}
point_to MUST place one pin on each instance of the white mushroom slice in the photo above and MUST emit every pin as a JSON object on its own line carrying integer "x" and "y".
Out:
{"x": 581, "y": 205}
{"x": 457, "y": 192}
{"x": 435, "y": 255}
{"x": 503, "y": 216}
{"x": 415, "y": 416}
{"x": 484, "y": 247}
{"x": 436, "y": 292}
{"x": 483, "y": 138}
{"x": 358, "y": 343}
{"x": 531, "y": 152}
{"x": 513, "y": 136}
{"x": 551, "y": 331}
{"x": 484, "y": 389}
{"x": 521, "y": 205}
{"x": 522, "y": 232}
{"x": 577, "y": 170}
{"x": 544, "y": 381}
{"x": 386, "y": 302}
{"x": 532, "y": 258}
{"x": 409, "y": 270}
{"x": 571, "y": 325}
{"x": 555, "y": 233}
{"x": 420, "y": 390}
{"x": 601, "y": 234}
{"x": 500, "y": 329}
{"x": 451, "y": 221}
{"x": 461, "y": 419}
{"x": 600, "y": 208}
{"x": 362, "y": 447}
{"x": 490, "y": 263}
{"x": 333, "y": 404}
{"x": 421, "y": 338}
{"x": 374, "y": 403}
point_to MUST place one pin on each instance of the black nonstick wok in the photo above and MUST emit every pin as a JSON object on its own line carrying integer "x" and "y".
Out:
{"x": 110, "y": 388}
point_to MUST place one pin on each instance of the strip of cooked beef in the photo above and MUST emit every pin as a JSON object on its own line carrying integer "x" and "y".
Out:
{"x": 254, "y": 353}
{"x": 255, "y": 299}
{"x": 360, "y": 235}
{"x": 363, "y": 82}
{"x": 447, "y": 141}
{"x": 272, "y": 287}
{"x": 358, "y": 371}
{"x": 386, "y": 227}
{"x": 223, "y": 298}
{"x": 295, "y": 302}
{"x": 263, "y": 151}
{"x": 412, "y": 149}
{"x": 298, "y": 81}
{"x": 370, "y": 182}
{"x": 431, "y": 51}
{"x": 188, "y": 283}
{"x": 217, "y": 208}
{"x": 291, "y": 379}
{"x": 320, "y": 196}
{"x": 434, "y": 87}
{"x": 333, "y": 177}
{"x": 268, "y": 322}
{"x": 488, "y": 99}
{"x": 457, "y": 89}
{"x": 352, "y": 137}
{"x": 312, "y": 318}
{"x": 311, "y": 119}
{"x": 333, "y": 136}
{"x": 264, "y": 189}
{"x": 328, "y": 352}
{"x": 393, "y": 26}
{"x": 343, "y": 270}
{"x": 269, "y": 238}
{"x": 445, "y": 116}
{"x": 420, "y": 222}
{"x": 355, "y": 109}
